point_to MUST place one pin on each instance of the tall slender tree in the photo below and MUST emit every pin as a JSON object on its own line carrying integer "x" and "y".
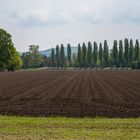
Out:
{"x": 95, "y": 53}
{"x": 69, "y": 53}
{"x": 62, "y": 56}
{"x": 89, "y": 54}
{"x": 106, "y": 54}
{"x": 57, "y": 56}
{"x": 131, "y": 52}
{"x": 101, "y": 54}
{"x": 53, "y": 57}
{"x": 115, "y": 53}
{"x": 79, "y": 55}
{"x": 126, "y": 51}
{"x": 137, "y": 51}
{"x": 120, "y": 55}
{"x": 84, "y": 54}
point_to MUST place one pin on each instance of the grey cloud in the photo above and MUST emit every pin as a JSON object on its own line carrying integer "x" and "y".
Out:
{"x": 69, "y": 20}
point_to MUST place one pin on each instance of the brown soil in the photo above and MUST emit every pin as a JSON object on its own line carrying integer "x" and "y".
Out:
{"x": 71, "y": 93}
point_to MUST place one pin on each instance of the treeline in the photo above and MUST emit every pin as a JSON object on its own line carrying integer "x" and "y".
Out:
{"x": 32, "y": 58}
{"x": 123, "y": 54}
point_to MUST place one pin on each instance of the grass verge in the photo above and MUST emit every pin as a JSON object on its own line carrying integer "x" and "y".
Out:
{"x": 60, "y": 128}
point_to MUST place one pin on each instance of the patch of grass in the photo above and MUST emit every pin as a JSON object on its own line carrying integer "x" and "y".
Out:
{"x": 60, "y": 128}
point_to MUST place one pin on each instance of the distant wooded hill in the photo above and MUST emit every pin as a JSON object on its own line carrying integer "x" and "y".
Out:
{"x": 48, "y": 52}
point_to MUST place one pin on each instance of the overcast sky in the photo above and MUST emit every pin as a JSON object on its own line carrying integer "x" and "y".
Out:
{"x": 51, "y": 22}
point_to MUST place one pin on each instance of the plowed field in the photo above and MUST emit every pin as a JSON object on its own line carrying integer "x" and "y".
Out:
{"x": 72, "y": 93}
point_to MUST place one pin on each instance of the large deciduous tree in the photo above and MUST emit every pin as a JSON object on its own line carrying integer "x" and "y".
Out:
{"x": 9, "y": 57}
{"x": 36, "y": 57}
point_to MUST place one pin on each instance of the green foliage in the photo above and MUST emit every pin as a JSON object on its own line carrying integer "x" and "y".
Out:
{"x": 131, "y": 52}
{"x": 62, "y": 56}
{"x": 32, "y": 58}
{"x": 9, "y": 58}
{"x": 106, "y": 54}
{"x": 137, "y": 51}
{"x": 115, "y": 53}
{"x": 69, "y": 54}
{"x": 74, "y": 59}
{"x": 95, "y": 54}
{"x": 117, "y": 56}
{"x": 101, "y": 54}
{"x": 84, "y": 55}
{"x": 57, "y": 56}
{"x": 120, "y": 55}
{"x": 79, "y": 55}
{"x": 89, "y": 54}
{"x": 53, "y": 57}
{"x": 126, "y": 52}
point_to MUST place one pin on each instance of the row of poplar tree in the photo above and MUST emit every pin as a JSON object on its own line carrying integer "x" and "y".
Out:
{"x": 122, "y": 54}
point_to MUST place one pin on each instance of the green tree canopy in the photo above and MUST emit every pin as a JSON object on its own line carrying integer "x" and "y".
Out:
{"x": 9, "y": 57}
{"x": 57, "y": 56}
{"x": 101, "y": 53}
{"x": 69, "y": 53}
{"x": 106, "y": 54}
{"x": 115, "y": 52}
{"x": 34, "y": 49}
{"x": 79, "y": 55}
{"x": 120, "y": 55}
{"x": 89, "y": 54}
{"x": 53, "y": 57}
{"x": 62, "y": 56}
{"x": 84, "y": 55}
{"x": 95, "y": 54}
{"x": 126, "y": 51}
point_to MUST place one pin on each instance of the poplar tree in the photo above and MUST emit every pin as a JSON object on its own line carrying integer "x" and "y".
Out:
{"x": 62, "y": 56}
{"x": 115, "y": 53}
{"x": 69, "y": 54}
{"x": 131, "y": 51}
{"x": 120, "y": 55}
{"x": 106, "y": 54}
{"x": 101, "y": 54}
{"x": 57, "y": 56}
{"x": 84, "y": 54}
{"x": 52, "y": 57}
{"x": 79, "y": 55}
{"x": 89, "y": 54}
{"x": 126, "y": 51}
{"x": 137, "y": 51}
{"x": 95, "y": 53}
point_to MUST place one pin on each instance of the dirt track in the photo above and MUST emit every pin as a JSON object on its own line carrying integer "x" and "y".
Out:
{"x": 75, "y": 93}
